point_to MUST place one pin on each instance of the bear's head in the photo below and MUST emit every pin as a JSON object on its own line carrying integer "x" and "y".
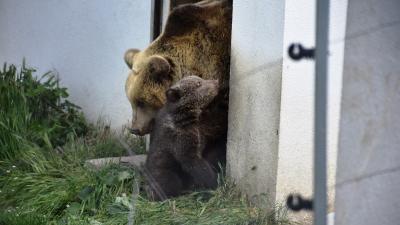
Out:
{"x": 191, "y": 94}
{"x": 149, "y": 78}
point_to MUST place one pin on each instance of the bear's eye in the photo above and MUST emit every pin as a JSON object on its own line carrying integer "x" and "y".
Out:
{"x": 140, "y": 103}
{"x": 198, "y": 84}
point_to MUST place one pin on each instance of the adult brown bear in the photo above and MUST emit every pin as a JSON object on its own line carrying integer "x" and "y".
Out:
{"x": 195, "y": 41}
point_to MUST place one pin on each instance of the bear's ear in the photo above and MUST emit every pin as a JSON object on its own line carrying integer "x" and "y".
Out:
{"x": 129, "y": 55}
{"x": 159, "y": 69}
{"x": 173, "y": 94}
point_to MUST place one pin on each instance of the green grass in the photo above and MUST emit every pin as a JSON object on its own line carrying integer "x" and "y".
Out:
{"x": 44, "y": 142}
{"x": 34, "y": 111}
{"x": 8, "y": 218}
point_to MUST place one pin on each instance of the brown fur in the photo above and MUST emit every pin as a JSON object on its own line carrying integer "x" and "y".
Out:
{"x": 196, "y": 41}
{"x": 186, "y": 144}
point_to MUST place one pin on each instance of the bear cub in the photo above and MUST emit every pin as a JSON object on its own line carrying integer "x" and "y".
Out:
{"x": 184, "y": 148}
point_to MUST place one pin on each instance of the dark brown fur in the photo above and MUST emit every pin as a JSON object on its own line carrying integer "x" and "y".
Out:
{"x": 186, "y": 144}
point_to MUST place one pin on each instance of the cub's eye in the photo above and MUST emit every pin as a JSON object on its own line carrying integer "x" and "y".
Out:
{"x": 198, "y": 84}
{"x": 140, "y": 103}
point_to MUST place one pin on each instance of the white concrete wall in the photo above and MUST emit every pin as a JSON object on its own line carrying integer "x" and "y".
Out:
{"x": 256, "y": 63}
{"x": 84, "y": 41}
{"x": 295, "y": 166}
{"x": 368, "y": 175}
{"x": 257, "y": 50}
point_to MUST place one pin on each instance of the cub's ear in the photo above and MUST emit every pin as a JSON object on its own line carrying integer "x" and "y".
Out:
{"x": 173, "y": 95}
{"x": 129, "y": 55}
{"x": 159, "y": 69}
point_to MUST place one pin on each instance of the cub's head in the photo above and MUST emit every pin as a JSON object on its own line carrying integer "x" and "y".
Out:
{"x": 149, "y": 78}
{"x": 192, "y": 93}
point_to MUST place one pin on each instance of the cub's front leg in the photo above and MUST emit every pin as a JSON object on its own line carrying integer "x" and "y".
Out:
{"x": 188, "y": 152}
{"x": 201, "y": 171}
{"x": 162, "y": 173}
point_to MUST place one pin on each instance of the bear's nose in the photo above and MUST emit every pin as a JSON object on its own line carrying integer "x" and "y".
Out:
{"x": 135, "y": 131}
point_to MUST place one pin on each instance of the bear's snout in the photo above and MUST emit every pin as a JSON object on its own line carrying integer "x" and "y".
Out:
{"x": 210, "y": 88}
{"x": 141, "y": 131}
{"x": 134, "y": 131}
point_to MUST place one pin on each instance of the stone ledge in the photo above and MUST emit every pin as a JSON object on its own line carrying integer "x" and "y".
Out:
{"x": 136, "y": 161}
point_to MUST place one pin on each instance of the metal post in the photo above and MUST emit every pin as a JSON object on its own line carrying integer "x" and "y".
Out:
{"x": 321, "y": 55}
{"x": 155, "y": 30}
{"x": 156, "y": 18}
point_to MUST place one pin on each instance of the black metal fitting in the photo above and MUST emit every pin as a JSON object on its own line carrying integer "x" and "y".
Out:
{"x": 296, "y": 203}
{"x": 297, "y": 52}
